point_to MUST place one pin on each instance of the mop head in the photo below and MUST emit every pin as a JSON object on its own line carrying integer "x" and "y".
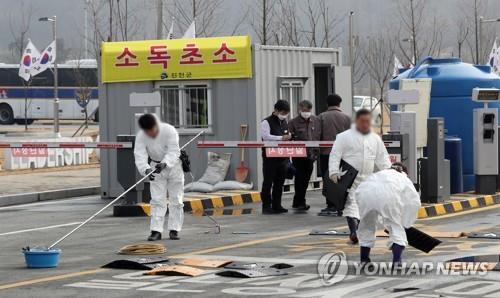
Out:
{"x": 143, "y": 249}
{"x": 421, "y": 240}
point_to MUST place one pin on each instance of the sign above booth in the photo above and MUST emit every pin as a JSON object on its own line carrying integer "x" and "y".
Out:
{"x": 176, "y": 59}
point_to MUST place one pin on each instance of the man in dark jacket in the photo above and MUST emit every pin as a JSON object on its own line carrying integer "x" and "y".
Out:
{"x": 274, "y": 128}
{"x": 304, "y": 127}
{"x": 333, "y": 121}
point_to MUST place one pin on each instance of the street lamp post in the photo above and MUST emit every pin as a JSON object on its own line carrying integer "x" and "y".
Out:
{"x": 53, "y": 20}
{"x": 351, "y": 55}
{"x": 480, "y": 42}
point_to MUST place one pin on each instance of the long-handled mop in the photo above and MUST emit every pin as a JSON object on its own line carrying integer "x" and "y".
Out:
{"x": 50, "y": 253}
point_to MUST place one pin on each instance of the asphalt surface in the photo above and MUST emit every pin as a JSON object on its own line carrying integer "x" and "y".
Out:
{"x": 267, "y": 239}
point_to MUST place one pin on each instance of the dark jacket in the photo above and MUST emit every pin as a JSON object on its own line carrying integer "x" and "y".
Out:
{"x": 333, "y": 121}
{"x": 277, "y": 127}
{"x": 306, "y": 130}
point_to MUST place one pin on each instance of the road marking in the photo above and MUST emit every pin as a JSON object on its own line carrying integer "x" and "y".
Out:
{"x": 198, "y": 252}
{"x": 256, "y": 259}
{"x": 50, "y": 278}
{"x": 47, "y": 203}
{"x": 41, "y": 228}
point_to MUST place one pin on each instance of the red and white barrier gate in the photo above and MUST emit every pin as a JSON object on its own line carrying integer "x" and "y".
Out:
{"x": 276, "y": 144}
{"x": 66, "y": 145}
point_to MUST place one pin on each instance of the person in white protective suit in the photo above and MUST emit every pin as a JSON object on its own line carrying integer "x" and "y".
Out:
{"x": 387, "y": 198}
{"x": 157, "y": 149}
{"x": 365, "y": 151}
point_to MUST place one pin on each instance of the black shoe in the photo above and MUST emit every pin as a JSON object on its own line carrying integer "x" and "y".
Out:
{"x": 174, "y": 235}
{"x": 280, "y": 210}
{"x": 267, "y": 210}
{"x": 155, "y": 236}
{"x": 302, "y": 208}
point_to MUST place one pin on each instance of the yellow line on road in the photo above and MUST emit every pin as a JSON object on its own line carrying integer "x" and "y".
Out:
{"x": 198, "y": 252}
{"x": 50, "y": 278}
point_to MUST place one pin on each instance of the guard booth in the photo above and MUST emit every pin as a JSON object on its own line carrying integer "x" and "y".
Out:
{"x": 215, "y": 84}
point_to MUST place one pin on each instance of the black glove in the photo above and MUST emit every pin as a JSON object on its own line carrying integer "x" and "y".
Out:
{"x": 159, "y": 167}
{"x": 186, "y": 163}
{"x": 151, "y": 177}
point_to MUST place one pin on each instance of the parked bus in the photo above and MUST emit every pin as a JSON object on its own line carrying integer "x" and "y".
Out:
{"x": 77, "y": 86}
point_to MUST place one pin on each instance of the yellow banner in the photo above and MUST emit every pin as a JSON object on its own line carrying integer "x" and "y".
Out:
{"x": 176, "y": 59}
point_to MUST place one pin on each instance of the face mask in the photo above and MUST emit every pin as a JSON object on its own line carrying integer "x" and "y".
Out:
{"x": 305, "y": 115}
{"x": 282, "y": 117}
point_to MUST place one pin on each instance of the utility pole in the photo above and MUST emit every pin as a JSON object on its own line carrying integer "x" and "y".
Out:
{"x": 53, "y": 20}
{"x": 86, "y": 29}
{"x": 194, "y": 9}
{"x": 476, "y": 24}
{"x": 351, "y": 54}
{"x": 159, "y": 21}
{"x": 264, "y": 22}
{"x": 413, "y": 34}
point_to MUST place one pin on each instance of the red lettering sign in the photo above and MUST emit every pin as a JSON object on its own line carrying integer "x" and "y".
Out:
{"x": 191, "y": 55}
{"x": 29, "y": 152}
{"x": 286, "y": 152}
{"x": 126, "y": 59}
{"x": 159, "y": 55}
{"x": 222, "y": 54}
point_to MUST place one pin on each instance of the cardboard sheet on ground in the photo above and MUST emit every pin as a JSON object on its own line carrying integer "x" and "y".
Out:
{"x": 205, "y": 263}
{"x": 175, "y": 270}
{"x": 336, "y": 193}
{"x": 251, "y": 273}
{"x": 137, "y": 263}
{"x": 462, "y": 266}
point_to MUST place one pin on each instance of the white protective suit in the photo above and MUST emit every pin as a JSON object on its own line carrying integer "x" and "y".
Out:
{"x": 163, "y": 148}
{"x": 387, "y": 197}
{"x": 363, "y": 152}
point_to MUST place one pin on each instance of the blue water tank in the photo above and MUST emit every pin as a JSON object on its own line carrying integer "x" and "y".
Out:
{"x": 451, "y": 91}
{"x": 453, "y": 152}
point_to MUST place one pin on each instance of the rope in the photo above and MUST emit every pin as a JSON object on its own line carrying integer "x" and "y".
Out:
{"x": 143, "y": 249}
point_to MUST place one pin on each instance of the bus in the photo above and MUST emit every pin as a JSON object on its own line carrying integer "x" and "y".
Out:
{"x": 78, "y": 95}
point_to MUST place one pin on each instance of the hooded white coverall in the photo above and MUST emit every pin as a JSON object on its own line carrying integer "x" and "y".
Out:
{"x": 387, "y": 197}
{"x": 163, "y": 148}
{"x": 363, "y": 152}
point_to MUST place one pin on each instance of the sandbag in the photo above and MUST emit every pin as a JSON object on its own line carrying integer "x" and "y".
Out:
{"x": 232, "y": 185}
{"x": 217, "y": 167}
{"x": 198, "y": 187}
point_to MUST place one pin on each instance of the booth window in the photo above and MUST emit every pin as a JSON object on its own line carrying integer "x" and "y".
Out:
{"x": 291, "y": 90}
{"x": 186, "y": 105}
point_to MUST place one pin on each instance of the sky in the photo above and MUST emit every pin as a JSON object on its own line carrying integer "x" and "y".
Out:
{"x": 369, "y": 14}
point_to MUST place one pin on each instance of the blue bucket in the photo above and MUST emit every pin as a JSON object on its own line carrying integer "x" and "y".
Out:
{"x": 42, "y": 257}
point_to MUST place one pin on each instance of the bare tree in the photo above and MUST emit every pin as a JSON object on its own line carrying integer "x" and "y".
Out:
{"x": 209, "y": 15}
{"x": 379, "y": 60}
{"x": 262, "y": 20}
{"x": 419, "y": 27}
{"x": 331, "y": 24}
{"x": 290, "y": 32}
{"x": 19, "y": 26}
{"x": 469, "y": 14}
{"x": 462, "y": 34}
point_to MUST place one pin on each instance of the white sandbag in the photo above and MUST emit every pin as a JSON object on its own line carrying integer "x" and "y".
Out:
{"x": 217, "y": 167}
{"x": 232, "y": 185}
{"x": 198, "y": 187}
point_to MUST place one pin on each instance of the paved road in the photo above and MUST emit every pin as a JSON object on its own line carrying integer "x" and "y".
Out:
{"x": 276, "y": 239}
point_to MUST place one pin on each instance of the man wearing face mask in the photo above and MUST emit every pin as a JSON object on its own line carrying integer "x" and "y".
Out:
{"x": 274, "y": 128}
{"x": 365, "y": 151}
{"x": 304, "y": 127}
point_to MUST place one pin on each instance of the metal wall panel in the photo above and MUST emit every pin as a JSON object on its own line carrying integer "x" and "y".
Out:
{"x": 272, "y": 62}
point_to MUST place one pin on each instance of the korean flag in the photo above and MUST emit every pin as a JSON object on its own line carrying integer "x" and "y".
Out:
{"x": 47, "y": 57}
{"x": 29, "y": 58}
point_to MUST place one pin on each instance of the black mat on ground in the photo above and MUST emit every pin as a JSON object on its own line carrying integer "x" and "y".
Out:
{"x": 329, "y": 233}
{"x": 251, "y": 273}
{"x": 421, "y": 240}
{"x": 485, "y": 235}
{"x": 256, "y": 266}
{"x": 137, "y": 263}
